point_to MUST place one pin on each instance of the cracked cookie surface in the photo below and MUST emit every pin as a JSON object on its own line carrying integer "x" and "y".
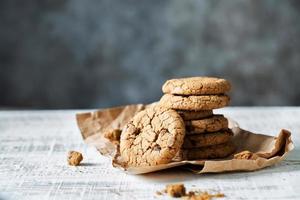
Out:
{"x": 207, "y": 139}
{"x": 211, "y": 124}
{"x": 194, "y": 115}
{"x": 152, "y": 137}
{"x": 196, "y": 86}
{"x": 196, "y": 103}
{"x": 211, "y": 152}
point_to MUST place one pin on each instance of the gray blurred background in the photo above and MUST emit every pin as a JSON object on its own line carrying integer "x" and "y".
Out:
{"x": 100, "y": 53}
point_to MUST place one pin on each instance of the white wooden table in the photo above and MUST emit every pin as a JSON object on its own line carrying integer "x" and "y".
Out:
{"x": 33, "y": 147}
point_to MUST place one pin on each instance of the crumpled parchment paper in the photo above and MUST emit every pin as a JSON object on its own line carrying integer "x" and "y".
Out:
{"x": 268, "y": 150}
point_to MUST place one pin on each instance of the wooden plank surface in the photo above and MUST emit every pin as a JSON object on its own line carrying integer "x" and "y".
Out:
{"x": 33, "y": 147}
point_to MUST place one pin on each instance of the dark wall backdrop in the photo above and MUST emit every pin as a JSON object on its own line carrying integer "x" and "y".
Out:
{"x": 99, "y": 53}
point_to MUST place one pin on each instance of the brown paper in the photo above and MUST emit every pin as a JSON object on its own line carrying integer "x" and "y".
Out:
{"x": 268, "y": 150}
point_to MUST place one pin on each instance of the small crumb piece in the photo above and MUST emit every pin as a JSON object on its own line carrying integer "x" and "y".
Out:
{"x": 202, "y": 196}
{"x": 113, "y": 135}
{"x": 178, "y": 190}
{"x": 74, "y": 158}
{"x": 246, "y": 155}
{"x": 175, "y": 190}
{"x": 219, "y": 195}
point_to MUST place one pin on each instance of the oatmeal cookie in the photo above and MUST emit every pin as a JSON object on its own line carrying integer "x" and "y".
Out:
{"x": 152, "y": 137}
{"x": 193, "y": 115}
{"x": 204, "y": 102}
{"x": 207, "y": 139}
{"x": 211, "y": 124}
{"x": 196, "y": 86}
{"x": 211, "y": 152}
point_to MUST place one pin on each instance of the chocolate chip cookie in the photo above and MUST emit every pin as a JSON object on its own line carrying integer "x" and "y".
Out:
{"x": 196, "y": 86}
{"x": 196, "y": 103}
{"x": 152, "y": 137}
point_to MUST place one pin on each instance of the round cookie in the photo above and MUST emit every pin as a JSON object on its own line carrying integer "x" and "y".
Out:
{"x": 193, "y": 115}
{"x": 196, "y": 103}
{"x": 196, "y": 86}
{"x": 211, "y": 152}
{"x": 152, "y": 137}
{"x": 211, "y": 124}
{"x": 207, "y": 139}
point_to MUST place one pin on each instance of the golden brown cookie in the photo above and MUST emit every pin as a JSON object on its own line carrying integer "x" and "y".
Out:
{"x": 211, "y": 124}
{"x": 205, "y": 102}
{"x": 152, "y": 137}
{"x": 196, "y": 86}
{"x": 193, "y": 115}
{"x": 207, "y": 139}
{"x": 211, "y": 152}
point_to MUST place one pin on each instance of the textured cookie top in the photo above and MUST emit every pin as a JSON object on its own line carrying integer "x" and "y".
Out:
{"x": 196, "y": 103}
{"x": 152, "y": 137}
{"x": 196, "y": 86}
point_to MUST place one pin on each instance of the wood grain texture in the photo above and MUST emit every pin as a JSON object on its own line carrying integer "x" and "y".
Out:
{"x": 34, "y": 145}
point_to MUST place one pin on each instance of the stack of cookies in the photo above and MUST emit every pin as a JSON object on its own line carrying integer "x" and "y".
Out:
{"x": 207, "y": 135}
{"x": 181, "y": 126}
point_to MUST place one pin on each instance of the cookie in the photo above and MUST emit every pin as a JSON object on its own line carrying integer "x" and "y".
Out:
{"x": 196, "y": 86}
{"x": 211, "y": 152}
{"x": 193, "y": 115}
{"x": 211, "y": 124}
{"x": 196, "y": 103}
{"x": 152, "y": 137}
{"x": 207, "y": 139}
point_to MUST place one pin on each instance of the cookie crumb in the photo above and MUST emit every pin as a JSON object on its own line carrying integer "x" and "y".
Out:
{"x": 113, "y": 135}
{"x": 176, "y": 190}
{"x": 74, "y": 158}
{"x": 202, "y": 196}
{"x": 246, "y": 155}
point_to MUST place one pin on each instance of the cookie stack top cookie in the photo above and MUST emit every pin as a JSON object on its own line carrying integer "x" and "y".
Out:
{"x": 196, "y": 86}
{"x": 195, "y": 93}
